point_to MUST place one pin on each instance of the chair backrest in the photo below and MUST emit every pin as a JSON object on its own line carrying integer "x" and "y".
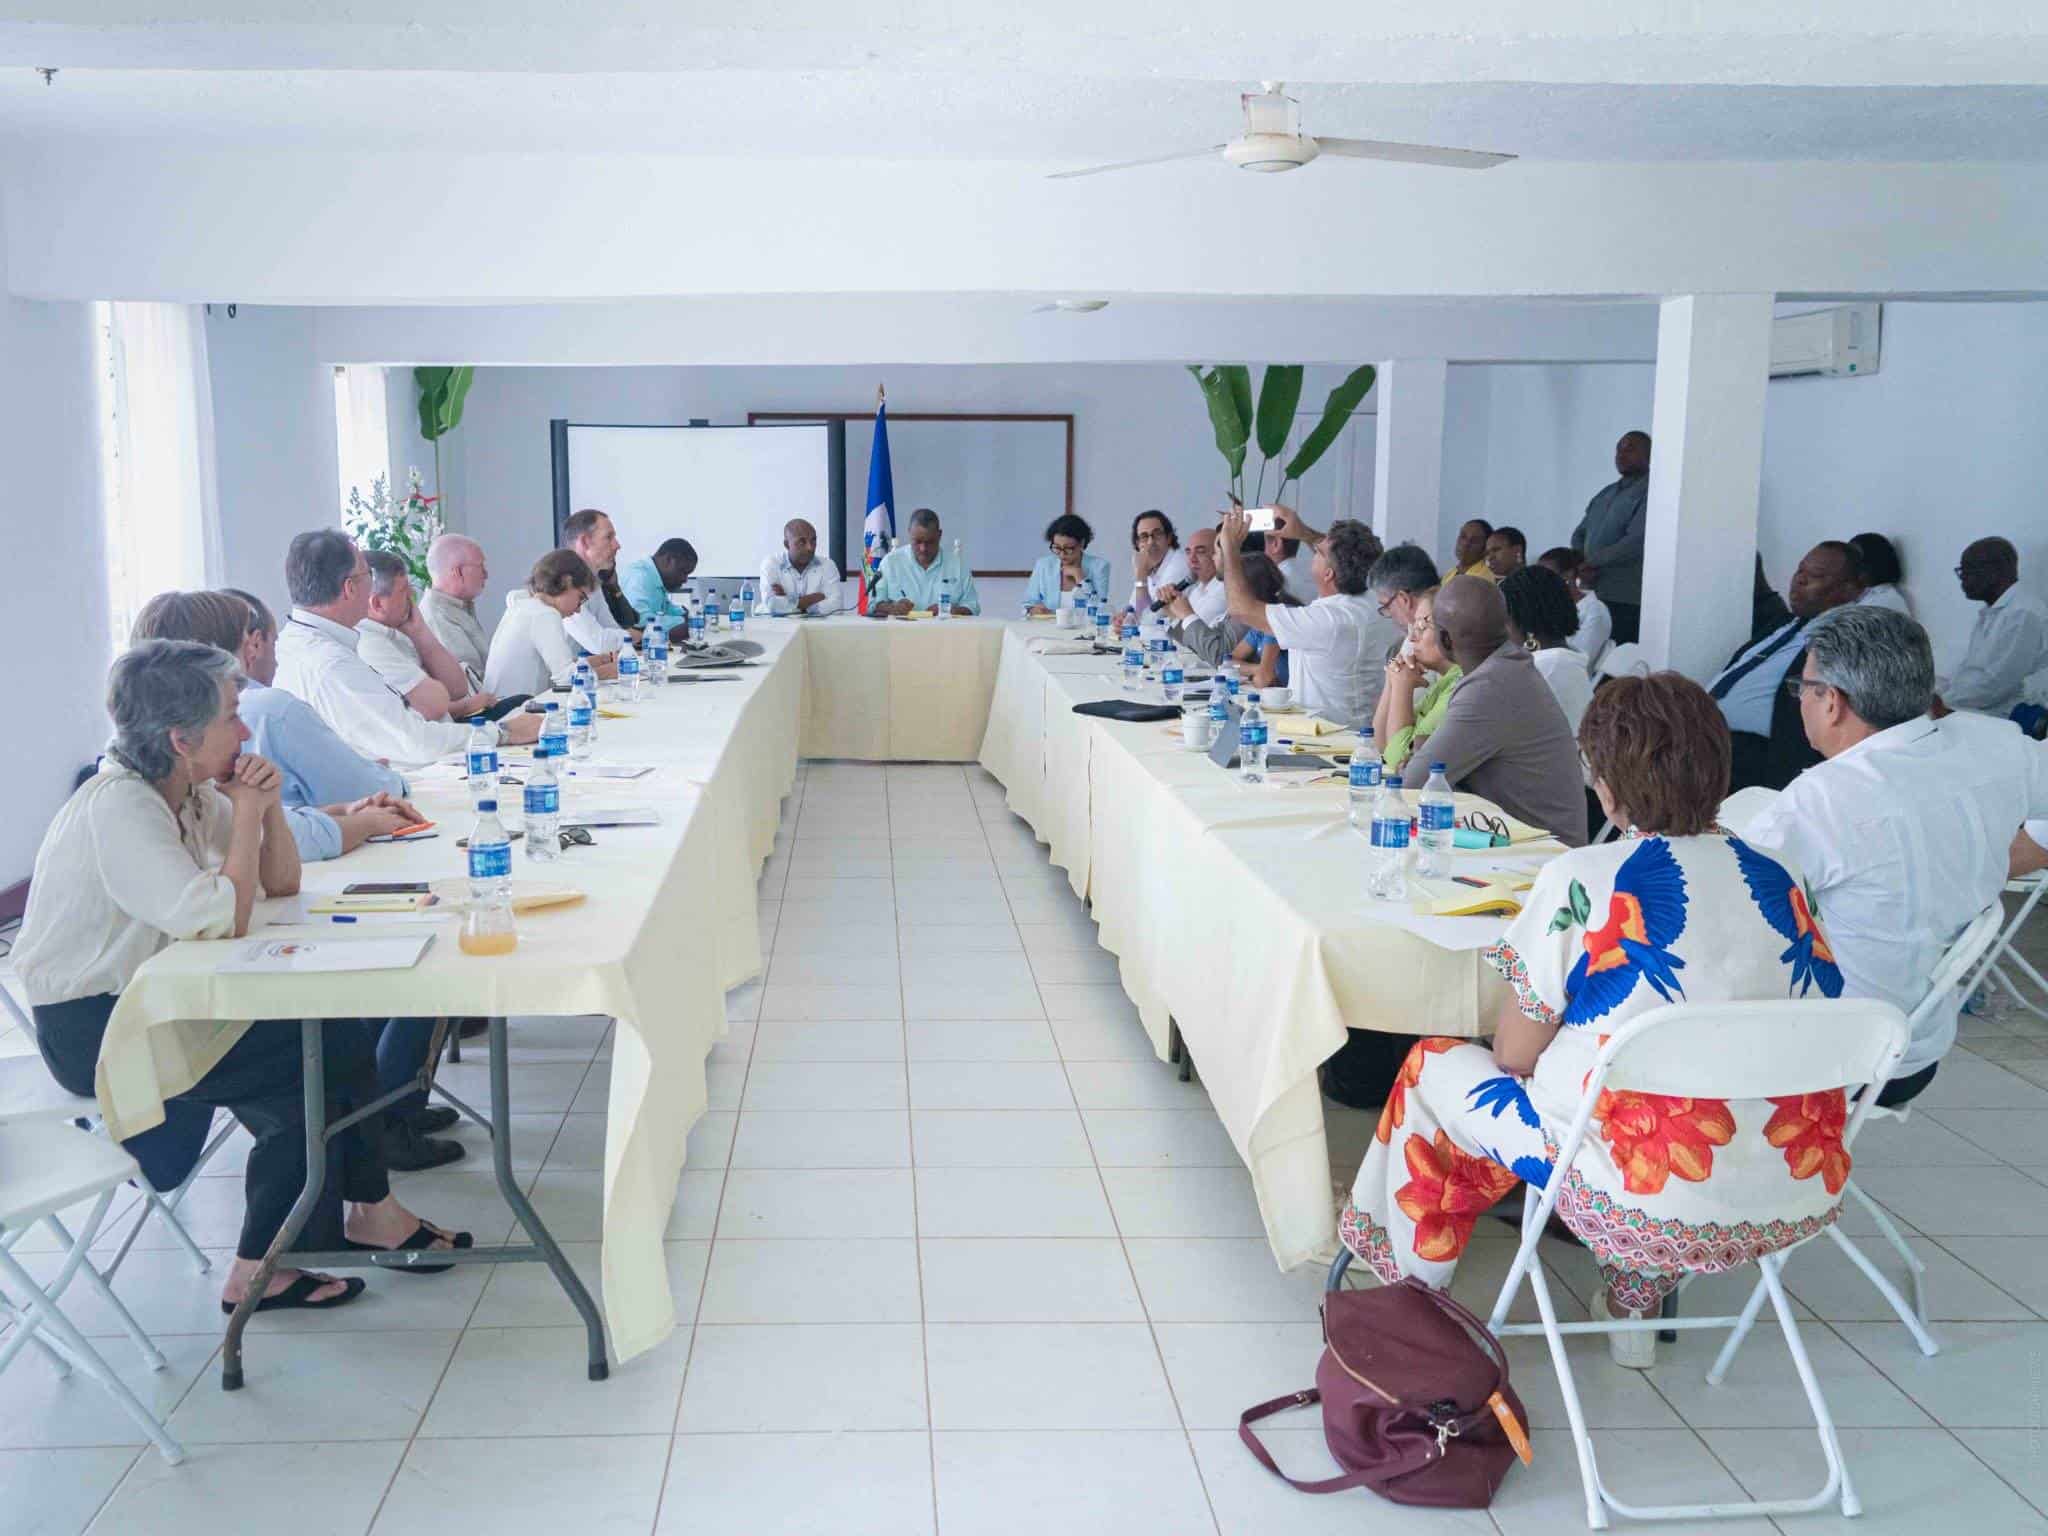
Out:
{"x": 1624, "y": 658}
{"x": 1960, "y": 959}
{"x": 1754, "y": 1050}
{"x": 1743, "y": 807}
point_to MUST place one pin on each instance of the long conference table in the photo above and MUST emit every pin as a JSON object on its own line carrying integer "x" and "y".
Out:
{"x": 1236, "y": 912}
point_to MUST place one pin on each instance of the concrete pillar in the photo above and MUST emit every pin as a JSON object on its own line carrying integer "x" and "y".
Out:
{"x": 1699, "y": 552}
{"x": 1408, "y": 462}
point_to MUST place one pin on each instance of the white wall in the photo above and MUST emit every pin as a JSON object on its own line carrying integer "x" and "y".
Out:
{"x": 51, "y": 539}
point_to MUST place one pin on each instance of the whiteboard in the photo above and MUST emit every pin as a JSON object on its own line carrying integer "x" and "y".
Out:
{"x": 994, "y": 484}
{"x": 728, "y": 490}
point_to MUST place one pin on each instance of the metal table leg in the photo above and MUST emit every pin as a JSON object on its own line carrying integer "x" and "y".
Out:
{"x": 542, "y": 1250}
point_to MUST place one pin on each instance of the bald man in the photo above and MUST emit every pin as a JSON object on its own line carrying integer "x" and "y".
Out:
{"x": 455, "y": 564}
{"x": 1503, "y": 735}
{"x": 809, "y": 580}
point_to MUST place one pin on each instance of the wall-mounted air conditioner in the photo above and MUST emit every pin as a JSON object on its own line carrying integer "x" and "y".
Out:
{"x": 1835, "y": 342}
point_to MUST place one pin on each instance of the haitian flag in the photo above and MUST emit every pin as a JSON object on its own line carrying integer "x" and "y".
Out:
{"x": 878, "y": 531}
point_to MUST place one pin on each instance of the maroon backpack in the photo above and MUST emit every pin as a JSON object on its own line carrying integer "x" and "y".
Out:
{"x": 1416, "y": 1400}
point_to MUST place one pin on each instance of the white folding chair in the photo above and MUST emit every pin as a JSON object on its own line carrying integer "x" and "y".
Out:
{"x": 1727, "y": 1051}
{"x": 2002, "y": 953}
{"x": 46, "y": 1166}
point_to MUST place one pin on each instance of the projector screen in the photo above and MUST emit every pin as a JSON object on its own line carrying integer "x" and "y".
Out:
{"x": 728, "y": 490}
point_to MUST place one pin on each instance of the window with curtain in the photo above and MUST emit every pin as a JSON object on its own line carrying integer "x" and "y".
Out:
{"x": 157, "y": 456}
{"x": 361, "y": 429}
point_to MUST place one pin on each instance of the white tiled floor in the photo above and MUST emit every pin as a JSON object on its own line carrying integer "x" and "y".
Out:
{"x": 958, "y": 1255}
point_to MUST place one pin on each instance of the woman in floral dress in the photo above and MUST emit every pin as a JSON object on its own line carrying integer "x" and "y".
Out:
{"x": 1678, "y": 910}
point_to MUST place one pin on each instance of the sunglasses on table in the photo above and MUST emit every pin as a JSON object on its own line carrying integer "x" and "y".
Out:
{"x": 571, "y": 837}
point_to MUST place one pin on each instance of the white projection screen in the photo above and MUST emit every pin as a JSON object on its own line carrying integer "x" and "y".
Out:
{"x": 728, "y": 490}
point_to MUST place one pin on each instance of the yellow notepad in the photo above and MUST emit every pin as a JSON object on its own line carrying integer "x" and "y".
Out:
{"x": 392, "y": 902}
{"x": 1468, "y": 896}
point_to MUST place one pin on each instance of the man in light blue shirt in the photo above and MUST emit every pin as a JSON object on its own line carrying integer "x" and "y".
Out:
{"x": 911, "y": 579}
{"x": 647, "y": 584}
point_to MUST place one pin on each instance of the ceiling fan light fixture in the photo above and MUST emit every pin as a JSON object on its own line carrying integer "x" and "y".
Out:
{"x": 1268, "y": 152}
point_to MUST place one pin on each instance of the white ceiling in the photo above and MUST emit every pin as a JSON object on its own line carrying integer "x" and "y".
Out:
{"x": 1077, "y": 119}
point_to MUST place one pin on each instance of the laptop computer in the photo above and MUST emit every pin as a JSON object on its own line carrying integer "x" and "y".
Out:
{"x": 1223, "y": 750}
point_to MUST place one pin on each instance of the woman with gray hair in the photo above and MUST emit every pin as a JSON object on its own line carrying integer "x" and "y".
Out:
{"x": 176, "y": 837}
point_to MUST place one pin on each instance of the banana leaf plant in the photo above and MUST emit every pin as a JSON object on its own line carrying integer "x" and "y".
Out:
{"x": 1238, "y": 421}
{"x": 442, "y": 393}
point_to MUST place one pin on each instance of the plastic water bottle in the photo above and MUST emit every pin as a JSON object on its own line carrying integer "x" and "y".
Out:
{"x": 1232, "y": 683}
{"x": 629, "y": 671}
{"x": 1387, "y": 877}
{"x": 1171, "y": 676}
{"x": 714, "y": 610}
{"x": 1134, "y": 660}
{"x": 582, "y": 715}
{"x": 945, "y": 608}
{"x": 1365, "y": 781}
{"x": 654, "y": 655}
{"x": 554, "y": 733}
{"x": 1159, "y": 650}
{"x": 697, "y": 623}
{"x": 1219, "y": 705}
{"x": 1251, "y": 740}
{"x": 483, "y": 761}
{"x": 1098, "y": 615}
{"x": 543, "y": 805}
{"x": 487, "y": 924}
{"x": 746, "y": 603}
{"x": 1437, "y": 817}
{"x": 736, "y": 615}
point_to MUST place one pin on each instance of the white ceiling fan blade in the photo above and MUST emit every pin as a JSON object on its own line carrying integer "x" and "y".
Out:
{"x": 1413, "y": 154}
{"x": 1125, "y": 165}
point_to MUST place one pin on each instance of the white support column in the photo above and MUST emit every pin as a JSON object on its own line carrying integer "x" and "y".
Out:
{"x": 1408, "y": 464}
{"x": 1699, "y": 553}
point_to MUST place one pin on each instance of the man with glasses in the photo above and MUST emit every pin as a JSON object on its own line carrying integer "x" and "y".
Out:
{"x": 1400, "y": 579}
{"x": 1769, "y": 747}
{"x": 2010, "y": 640}
{"x": 456, "y": 565}
{"x": 1157, "y": 560}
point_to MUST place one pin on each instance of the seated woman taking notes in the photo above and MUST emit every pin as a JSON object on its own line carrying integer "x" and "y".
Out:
{"x": 1404, "y": 719}
{"x": 1069, "y": 568}
{"x": 176, "y": 837}
{"x": 1678, "y": 910}
{"x": 531, "y": 650}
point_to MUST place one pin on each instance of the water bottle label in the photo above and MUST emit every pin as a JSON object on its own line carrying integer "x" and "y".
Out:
{"x": 1251, "y": 735}
{"x": 1133, "y": 657}
{"x": 1173, "y": 676}
{"x": 543, "y": 799}
{"x": 1217, "y": 711}
{"x": 628, "y": 665}
{"x": 1389, "y": 833}
{"x": 1438, "y": 817}
{"x": 483, "y": 765}
{"x": 1365, "y": 773}
{"x": 579, "y": 714}
{"x": 490, "y": 861}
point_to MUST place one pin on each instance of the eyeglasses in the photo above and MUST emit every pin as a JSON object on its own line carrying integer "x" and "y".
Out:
{"x": 1495, "y": 829}
{"x": 576, "y": 837}
{"x": 1388, "y": 604}
{"x": 1065, "y": 547}
{"x": 1797, "y": 686}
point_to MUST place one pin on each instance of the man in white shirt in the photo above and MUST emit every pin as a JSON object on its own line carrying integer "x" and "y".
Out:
{"x": 316, "y": 659}
{"x": 1297, "y": 565}
{"x": 394, "y": 638}
{"x": 808, "y": 579}
{"x": 1336, "y": 645}
{"x": 606, "y": 617}
{"x": 1907, "y": 830}
{"x": 1206, "y": 598}
{"x": 456, "y": 564}
{"x": 1157, "y": 560}
{"x": 2010, "y": 641}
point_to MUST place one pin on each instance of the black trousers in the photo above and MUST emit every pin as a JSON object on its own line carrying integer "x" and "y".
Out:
{"x": 261, "y": 1082}
{"x": 1628, "y": 621}
{"x": 1903, "y": 1090}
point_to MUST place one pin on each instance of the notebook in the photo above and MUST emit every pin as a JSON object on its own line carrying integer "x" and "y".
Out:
{"x": 1467, "y": 896}
{"x": 397, "y": 952}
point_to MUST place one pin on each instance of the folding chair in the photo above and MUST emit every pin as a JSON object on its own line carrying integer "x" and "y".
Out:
{"x": 2002, "y": 954}
{"x": 45, "y": 1166}
{"x": 1726, "y": 1051}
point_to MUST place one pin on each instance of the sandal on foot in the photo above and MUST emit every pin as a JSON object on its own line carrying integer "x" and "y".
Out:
{"x": 298, "y": 1296}
{"x": 422, "y": 1240}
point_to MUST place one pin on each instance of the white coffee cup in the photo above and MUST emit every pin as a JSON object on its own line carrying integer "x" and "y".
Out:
{"x": 778, "y": 604}
{"x": 1069, "y": 617}
{"x": 1275, "y": 698}
{"x": 1197, "y": 731}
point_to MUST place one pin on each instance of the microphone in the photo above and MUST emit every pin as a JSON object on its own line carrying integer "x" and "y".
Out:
{"x": 1178, "y": 587}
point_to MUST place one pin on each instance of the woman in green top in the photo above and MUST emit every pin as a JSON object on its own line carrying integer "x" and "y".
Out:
{"x": 1405, "y": 720}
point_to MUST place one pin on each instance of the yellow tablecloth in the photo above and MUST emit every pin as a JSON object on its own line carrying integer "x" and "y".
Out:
{"x": 894, "y": 690}
{"x": 1239, "y": 912}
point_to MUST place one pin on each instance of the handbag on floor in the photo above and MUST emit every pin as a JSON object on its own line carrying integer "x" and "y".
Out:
{"x": 1416, "y": 1400}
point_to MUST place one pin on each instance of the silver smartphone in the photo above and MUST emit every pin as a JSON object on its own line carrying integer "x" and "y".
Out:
{"x": 1261, "y": 519}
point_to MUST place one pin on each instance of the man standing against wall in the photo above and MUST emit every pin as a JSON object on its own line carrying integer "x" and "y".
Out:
{"x": 1610, "y": 537}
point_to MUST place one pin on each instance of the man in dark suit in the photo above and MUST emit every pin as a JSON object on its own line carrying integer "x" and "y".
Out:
{"x": 1770, "y": 746}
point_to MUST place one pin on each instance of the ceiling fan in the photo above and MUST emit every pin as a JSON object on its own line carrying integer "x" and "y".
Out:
{"x": 1273, "y": 141}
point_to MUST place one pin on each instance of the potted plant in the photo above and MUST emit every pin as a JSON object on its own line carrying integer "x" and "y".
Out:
{"x": 1239, "y": 422}
{"x": 404, "y": 528}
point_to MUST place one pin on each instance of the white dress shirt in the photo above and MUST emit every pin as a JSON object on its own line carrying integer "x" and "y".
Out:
{"x": 1299, "y": 573}
{"x": 591, "y": 627}
{"x": 1596, "y": 628}
{"x": 1570, "y": 681}
{"x": 1172, "y": 571}
{"x": 2009, "y": 643}
{"x": 1336, "y": 649}
{"x": 1748, "y": 701}
{"x": 393, "y": 655}
{"x": 1903, "y": 839}
{"x": 118, "y": 877}
{"x": 530, "y": 652}
{"x": 820, "y": 576}
{"x": 1208, "y": 599}
{"x": 1885, "y": 595}
{"x": 317, "y": 660}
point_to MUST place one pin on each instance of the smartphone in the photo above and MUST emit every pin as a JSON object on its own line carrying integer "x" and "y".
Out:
{"x": 1261, "y": 519}
{"x": 419, "y": 836}
{"x": 387, "y": 888}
